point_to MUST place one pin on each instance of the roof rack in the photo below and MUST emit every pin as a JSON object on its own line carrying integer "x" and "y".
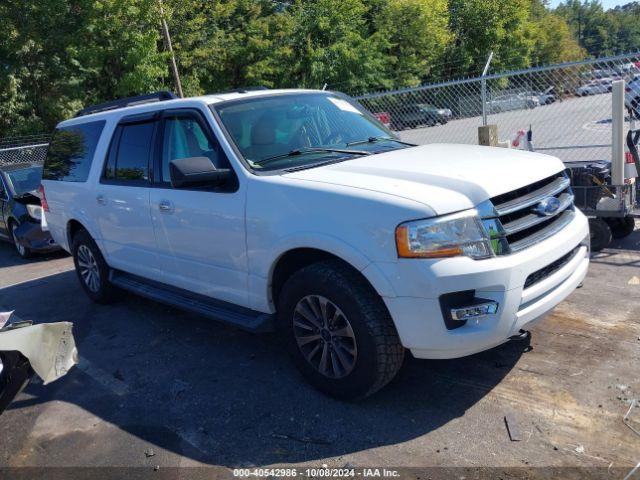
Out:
{"x": 127, "y": 102}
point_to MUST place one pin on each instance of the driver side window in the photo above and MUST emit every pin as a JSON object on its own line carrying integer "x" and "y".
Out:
{"x": 185, "y": 137}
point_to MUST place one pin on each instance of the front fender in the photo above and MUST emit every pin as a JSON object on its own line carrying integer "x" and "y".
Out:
{"x": 263, "y": 266}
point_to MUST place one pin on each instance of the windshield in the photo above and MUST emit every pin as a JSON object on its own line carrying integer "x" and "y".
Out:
{"x": 294, "y": 130}
{"x": 25, "y": 179}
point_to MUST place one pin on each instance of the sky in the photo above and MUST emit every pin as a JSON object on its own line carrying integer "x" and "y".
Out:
{"x": 607, "y": 4}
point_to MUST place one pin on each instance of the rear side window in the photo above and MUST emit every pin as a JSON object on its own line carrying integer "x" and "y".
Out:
{"x": 71, "y": 152}
{"x": 129, "y": 155}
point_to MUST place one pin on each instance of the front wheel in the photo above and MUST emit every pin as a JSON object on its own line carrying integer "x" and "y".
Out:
{"x": 91, "y": 268}
{"x": 338, "y": 331}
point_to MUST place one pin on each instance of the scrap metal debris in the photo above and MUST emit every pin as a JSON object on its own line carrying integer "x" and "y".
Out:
{"x": 316, "y": 441}
{"x": 630, "y": 474}
{"x": 512, "y": 430}
{"x": 626, "y": 421}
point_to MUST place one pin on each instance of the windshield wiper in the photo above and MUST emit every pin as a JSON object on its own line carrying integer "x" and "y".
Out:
{"x": 378, "y": 139}
{"x": 302, "y": 151}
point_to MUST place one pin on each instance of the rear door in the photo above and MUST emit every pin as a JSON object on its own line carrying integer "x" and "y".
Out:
{"x": 122, "y": 198}
{"x": 200, "y": 232}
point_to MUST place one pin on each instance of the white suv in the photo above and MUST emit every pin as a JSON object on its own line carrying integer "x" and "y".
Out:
{"x": 296, "y": 210}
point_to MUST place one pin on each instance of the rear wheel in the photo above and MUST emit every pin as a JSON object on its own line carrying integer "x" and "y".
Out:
{"x": 23, "y": 251}
{"x": 91, "y": 268}
{"x": 600, "y": 233}
{"x": 338, "y": 331}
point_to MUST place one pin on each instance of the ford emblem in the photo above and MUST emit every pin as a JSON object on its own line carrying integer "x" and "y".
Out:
{"x": 547, "y": 207}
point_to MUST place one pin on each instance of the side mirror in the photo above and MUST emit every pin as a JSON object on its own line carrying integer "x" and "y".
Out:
{"x": 196, "y": 172}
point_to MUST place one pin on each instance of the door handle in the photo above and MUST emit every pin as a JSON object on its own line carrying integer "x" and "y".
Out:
{"x": 101, "y": 200}
{"x": 165, "y": 206}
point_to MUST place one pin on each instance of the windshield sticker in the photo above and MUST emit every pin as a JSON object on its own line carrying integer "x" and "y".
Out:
{"x": 344, "y": 105}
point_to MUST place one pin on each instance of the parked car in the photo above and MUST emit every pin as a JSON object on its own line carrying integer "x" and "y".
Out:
{"x": 547, "y": 96}
{"x": 513, "y": 101}
{"x": 414, "y": 116}
{"x": 594, "y": 87}
{"x": 20, "y": 210}
{"x": 632, "y": 96}
{"x": 384, "y": 118}
{"x": 442, "y": 115}
{"x": 295, "y": 211}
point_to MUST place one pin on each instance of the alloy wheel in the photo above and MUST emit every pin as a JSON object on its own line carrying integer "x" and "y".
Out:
{"x": 88, "y": 268}
{"x": 325, "y": 336}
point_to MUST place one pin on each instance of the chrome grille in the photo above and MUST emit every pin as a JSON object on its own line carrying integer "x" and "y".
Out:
{"x": 517, "y": 220}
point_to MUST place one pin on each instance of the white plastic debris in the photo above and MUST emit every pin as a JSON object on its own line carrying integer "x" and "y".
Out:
{"x": 4, "y": 317}
{"x": 50, "y": 347}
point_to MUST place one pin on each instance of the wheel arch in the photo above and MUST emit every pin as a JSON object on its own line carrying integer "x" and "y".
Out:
{"x": 294, "y": 259}
{"x": 73, "y": 227}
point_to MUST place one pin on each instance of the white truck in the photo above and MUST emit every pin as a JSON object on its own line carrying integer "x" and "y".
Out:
{"x": 296, "y": 210}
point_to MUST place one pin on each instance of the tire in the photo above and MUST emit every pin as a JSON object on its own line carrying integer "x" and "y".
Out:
{"x": 600, "y": 234}
{"x": 91, "y": 268}
{"x": 634, "y": 108}
{"x": 369, "y": 343}
{"x": 21, "y": 250}
{"x": 621, "y": 227}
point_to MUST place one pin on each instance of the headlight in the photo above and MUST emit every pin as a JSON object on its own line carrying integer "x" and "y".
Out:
{"x": 446, "y": 236}
{"x": 35, "y": 212}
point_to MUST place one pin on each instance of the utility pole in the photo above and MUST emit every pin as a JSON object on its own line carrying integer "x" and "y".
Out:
{"x": 169, "y": 46}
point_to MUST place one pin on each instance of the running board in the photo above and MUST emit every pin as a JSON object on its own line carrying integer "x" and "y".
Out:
{"x": 244, "y": 318}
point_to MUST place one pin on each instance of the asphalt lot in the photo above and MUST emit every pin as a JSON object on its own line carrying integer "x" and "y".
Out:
{"x": 157, "y": 387}
{"x": 582, "y": 121}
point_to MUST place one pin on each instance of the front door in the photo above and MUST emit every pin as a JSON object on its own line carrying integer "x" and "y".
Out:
{"x": 200, "y": 232}
{"x": 122, "y": 199}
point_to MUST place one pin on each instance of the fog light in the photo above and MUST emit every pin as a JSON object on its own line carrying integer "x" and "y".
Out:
{"x": 474, "y": 311}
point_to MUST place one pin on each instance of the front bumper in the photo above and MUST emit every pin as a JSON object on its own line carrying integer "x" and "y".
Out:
{"x": 31, "y": 235}
{"x": 418, "y": 284}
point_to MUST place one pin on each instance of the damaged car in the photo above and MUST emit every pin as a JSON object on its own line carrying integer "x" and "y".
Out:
{"x": 21, "y": 211}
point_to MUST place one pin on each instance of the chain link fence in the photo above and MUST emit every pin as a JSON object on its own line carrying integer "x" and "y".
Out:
{"x": 32, "y": 148}
{"x": 567, "y": 106}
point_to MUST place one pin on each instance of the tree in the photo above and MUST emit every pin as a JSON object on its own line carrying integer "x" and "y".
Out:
{"x": 553, "y": 41}
{"x": 329, "y": 43}
{"x": 590, "y": 25}
{"x": 482, "y": 26}
{"x": 415, "y": 36}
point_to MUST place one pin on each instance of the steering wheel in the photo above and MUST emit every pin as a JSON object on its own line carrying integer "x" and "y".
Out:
{"x": 333, "y": 137}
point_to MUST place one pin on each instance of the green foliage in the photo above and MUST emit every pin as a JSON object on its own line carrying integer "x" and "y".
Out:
{"x": 57, "y": 56}
{"x": 415, "y": 36}
{"x": 602, "y": 32}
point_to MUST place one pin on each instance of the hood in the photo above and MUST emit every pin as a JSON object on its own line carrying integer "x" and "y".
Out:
{"x": 446, "y": 178}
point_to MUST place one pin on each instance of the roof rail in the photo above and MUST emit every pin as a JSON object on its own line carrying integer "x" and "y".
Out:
{"x": 127, "y": 102}
{"x": 244, "y": 89}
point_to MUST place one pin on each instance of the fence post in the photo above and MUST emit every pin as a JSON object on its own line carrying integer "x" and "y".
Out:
{"x": 484, "y": 90}
{"x": 617, "y": 132}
